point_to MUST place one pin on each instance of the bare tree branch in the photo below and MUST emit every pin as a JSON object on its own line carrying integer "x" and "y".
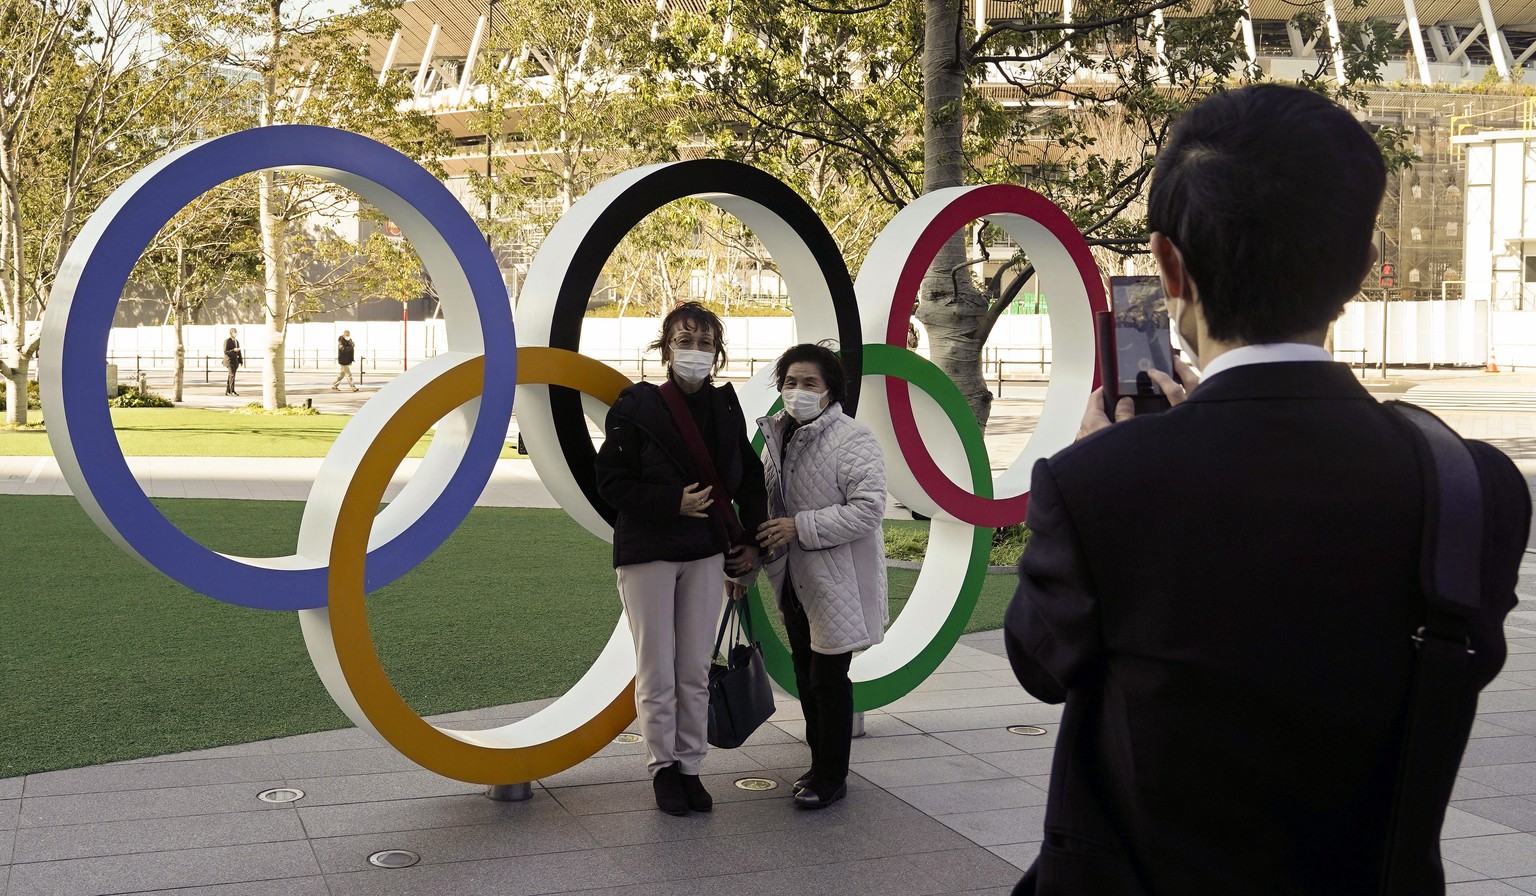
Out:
{"x": 842, "y": 12}
{"x": 867, "y": 154}
{"x": 1015, "y": 26}
{"x": 1049, "y": 51}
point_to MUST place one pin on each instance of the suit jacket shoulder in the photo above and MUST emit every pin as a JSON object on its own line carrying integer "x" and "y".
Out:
{"x": 1224, "y": 596}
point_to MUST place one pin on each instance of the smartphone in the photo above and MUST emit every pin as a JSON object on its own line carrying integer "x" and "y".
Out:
{"x": 1142, "y": 341}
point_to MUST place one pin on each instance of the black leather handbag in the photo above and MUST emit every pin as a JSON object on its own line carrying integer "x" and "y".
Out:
{"x": 740, "y": 696}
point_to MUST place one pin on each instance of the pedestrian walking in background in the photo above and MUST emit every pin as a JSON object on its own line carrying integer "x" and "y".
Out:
{"x": 345, "y": 352}
{"x": 233, "y": 358}
{"x": 826, "y": 552}
{"x": 676, "y": 538}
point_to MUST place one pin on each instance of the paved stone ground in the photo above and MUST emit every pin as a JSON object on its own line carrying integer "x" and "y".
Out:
{"x": 192, "y": 823}
{"x": 943, "y": 798}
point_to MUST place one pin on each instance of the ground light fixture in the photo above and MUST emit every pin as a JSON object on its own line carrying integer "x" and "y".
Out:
{"x": 281, "y": 795}
{"x": 756, "y": 784}
{"x": 1026, "y": 730}
{"x": 393, "y": 858}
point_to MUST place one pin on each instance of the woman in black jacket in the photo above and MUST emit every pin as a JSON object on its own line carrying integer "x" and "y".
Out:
{"x": 675, "y": 540}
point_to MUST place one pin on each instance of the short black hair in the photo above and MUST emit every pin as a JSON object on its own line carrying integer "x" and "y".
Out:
{"x": 690, "y": 316}
{"x": 823, "y": 357}
{"x": 1270, "y": 194}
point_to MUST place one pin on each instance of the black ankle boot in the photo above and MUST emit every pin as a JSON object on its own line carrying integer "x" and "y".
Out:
{"x": 820, "y": 794}
{"x": 668, "y": 785}
{"x": 698, "y": 798}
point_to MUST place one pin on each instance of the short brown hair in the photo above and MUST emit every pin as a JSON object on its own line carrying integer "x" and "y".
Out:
{"x": 690, "y": 316}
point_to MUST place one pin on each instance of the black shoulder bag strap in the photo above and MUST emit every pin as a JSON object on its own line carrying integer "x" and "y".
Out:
{"x": 721, "y": 508}
{"x": 726, "y": 620}
{"x": 737, "y": 619}
{"x": 1450, "y": 570}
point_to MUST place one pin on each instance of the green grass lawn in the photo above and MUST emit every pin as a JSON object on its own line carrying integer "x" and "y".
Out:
{"x": 202, "y": 432}
{"x": 103, "y": 658}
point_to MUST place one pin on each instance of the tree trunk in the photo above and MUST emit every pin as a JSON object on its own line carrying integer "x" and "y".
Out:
{"x": 181, "y": 362}
{"x": 949, "y": 305}
{"x": 668, "y": 297}
{"x": 16, "y": 364}
{"x": 274, "y": 232}
{"x": 709, "y": 279}
{"x": 15, "y": 309}
{"x": 16, "y": 388}
{"x": 178, "y": 313}
{"x": 274, "y": 250}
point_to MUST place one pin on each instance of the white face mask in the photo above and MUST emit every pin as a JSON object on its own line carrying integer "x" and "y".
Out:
{"x": 692, "y": 367}
{"x": 1191, "y": 357}
{"x": 802, "y": 404}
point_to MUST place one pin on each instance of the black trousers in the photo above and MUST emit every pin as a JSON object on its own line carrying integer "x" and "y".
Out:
{"x": 229, "y": 386}
{"x": 826, "y": 696}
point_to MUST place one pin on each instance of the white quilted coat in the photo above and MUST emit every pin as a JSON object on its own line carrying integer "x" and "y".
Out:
{"x": 833, "y": 483}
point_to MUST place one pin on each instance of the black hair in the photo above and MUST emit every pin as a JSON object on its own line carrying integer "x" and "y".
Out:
{"x": 1270, "y": 194}
{"x": 690, "y": 316}
{"x": 823, "y": 357}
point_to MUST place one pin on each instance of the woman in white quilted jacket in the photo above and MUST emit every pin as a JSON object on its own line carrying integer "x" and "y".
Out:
{"x": 826, "y": 552}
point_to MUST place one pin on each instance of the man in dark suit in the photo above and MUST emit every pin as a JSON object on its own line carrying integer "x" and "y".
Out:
{"x": 1224, "y": 594}
{"x": 233, "y": 358}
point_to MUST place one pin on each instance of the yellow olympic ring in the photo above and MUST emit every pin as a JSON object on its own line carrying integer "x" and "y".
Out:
{"x": 553, "y": 740}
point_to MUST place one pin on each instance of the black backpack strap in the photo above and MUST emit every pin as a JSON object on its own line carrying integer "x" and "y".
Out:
{"x": 1452, "y": 563}
{"x": 1450, "y": 572}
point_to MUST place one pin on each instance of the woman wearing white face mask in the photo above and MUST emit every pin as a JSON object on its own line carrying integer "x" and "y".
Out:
{"x": 675, "y": 457}
{"x": 825, "y": 552}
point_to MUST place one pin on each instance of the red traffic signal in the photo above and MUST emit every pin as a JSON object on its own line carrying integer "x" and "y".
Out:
{"x": 1388, "y": 275}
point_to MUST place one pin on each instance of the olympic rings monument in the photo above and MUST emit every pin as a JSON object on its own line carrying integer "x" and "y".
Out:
{"x": 936, "y": 461}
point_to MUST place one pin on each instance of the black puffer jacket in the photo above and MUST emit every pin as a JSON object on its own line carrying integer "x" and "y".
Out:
{"x": 644, "y": 466}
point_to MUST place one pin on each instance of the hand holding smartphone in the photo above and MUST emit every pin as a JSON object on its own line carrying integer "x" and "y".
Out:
{"x": 1133, "y": 340}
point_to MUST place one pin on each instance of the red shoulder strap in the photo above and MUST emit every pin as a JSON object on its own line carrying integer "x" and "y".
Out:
{"x": 678, "y": 406}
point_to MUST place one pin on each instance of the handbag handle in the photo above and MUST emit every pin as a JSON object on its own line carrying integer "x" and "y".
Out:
{"x": 741, "y": 615}
{"x": 725, "y": 622}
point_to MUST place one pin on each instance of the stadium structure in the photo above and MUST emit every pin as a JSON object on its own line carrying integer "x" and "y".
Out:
{"x": 1458, "y": 227}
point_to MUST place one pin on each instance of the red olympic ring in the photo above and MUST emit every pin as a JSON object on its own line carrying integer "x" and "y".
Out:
{"x": 997, "y": 201}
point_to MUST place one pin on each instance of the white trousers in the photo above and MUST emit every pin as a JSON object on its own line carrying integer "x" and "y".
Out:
{"x": 673, "y": 611}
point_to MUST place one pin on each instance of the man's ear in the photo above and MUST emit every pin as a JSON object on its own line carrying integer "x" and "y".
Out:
{"x": 1170, "y": 266}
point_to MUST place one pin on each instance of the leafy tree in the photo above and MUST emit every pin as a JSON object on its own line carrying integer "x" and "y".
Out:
{"x": 579, "y": 92}
{"x": 208, "y": 250}
{"x": 309, "y": 65}
{"x": 890, "y": 93}
{"x": 650, "y": 269}
{"x": 84, "y": 94}
{"x": 560, "y": 97}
